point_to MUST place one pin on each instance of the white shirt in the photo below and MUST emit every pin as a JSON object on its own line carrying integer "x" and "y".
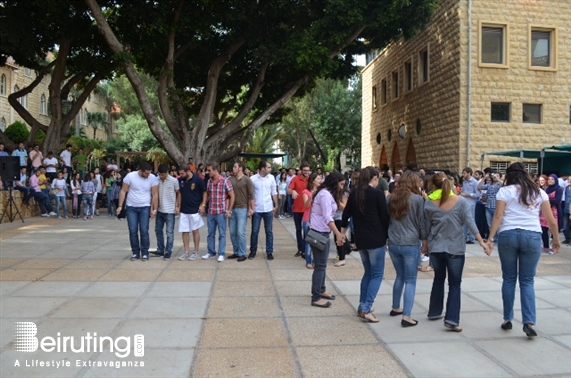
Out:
{"x": 99, "y": 186}
{"x": 51, "y": 161}
{"x": 112, "y": 167}
{"x": 66, "y": 156}
{"x": 517, "y": 215}
{"x": 140, "y": 189}
{"x": 264, "y": 189}
{"x": 167, "y": 194}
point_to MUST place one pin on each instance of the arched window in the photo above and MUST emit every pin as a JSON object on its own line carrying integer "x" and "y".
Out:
{"x": 85, "y": 116}
{"x": 43, "y": 104}
{"x": 3, "y": 85}
{"x": 78, "y": 119}
{"x": 16, "y": 89}
{"x": 3, "y": 124}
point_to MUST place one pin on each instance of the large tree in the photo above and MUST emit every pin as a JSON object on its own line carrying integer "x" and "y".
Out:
{"x": 58, "y": 39}
{"x": 225, "y": 67}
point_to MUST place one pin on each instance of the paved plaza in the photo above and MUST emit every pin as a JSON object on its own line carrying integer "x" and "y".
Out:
{"x": 253, "y": 318}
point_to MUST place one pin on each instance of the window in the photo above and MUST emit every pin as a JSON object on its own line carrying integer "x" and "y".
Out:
{"x": 3, "y": 124}
{"x": 85, "y": 118}
{"x": 493, "y": 45}
{"x": 423, "y": 66}
{"x": 395, "y": 85}
{"x": 531, "y": 113}
{"x": 43, "y": 104}
{"x": 500, "y": 112}
{"x": 542, "y": 48}
{"x": 531, "y": 167}
{"x": 374, "y": 98}
{"x": 383, "y": 92}
{"x": 78, "y": 119}
{"x": 499, "y": 166}
{"x": 408, "y": 76}
{"x": 22, "y": 100}
{"x": 3, "y": 85}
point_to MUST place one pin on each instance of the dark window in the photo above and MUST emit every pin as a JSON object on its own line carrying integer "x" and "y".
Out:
{"x": 408, "y": 76}
{"x": 531, "y": 113}
{"x": 540, "y": 48}
{"x": 395, "y": 85}
{"x": 500, "y": 111}
{"x": 383, "y": 92}
{"x": 492, "y": 45}
{"x": 374, "y": 94}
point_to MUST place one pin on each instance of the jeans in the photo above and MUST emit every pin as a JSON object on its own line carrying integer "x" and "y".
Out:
{"x": 489, "y": 217}
{"x": 268, "y": 227}
{"x": 545, "y": 237}
{"x": 28, "y": 192}
{"x": 111, "y": 210}
{"x": 519, "y": 252}
{"x": 454, "y": 265}
{"x": 566, "y": 227}
{"x": 308, "y": 255}
{"x": 282, "y": 204}
{"x": 318, "y": 277}
{"x": 467, "y": 234}
{"x": 404, "y": 258}
{"x": 213, "y": 222}
{"x": 374, "y": 264}
{"x": 160, "y": 221}
{"x": 43, "y": 200}
{"x": 138, "y": 223}
{"x": 289, "y": 203}
{"x": 61, "y": 199}
{"x": 87, "y": 204}
{"x": 237, "y": 224}
{"x": 297, "y": 217}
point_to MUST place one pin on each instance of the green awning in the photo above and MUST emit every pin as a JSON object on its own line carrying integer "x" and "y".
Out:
{"x": 565, "y": 147}
{"x": 532, "y": 154}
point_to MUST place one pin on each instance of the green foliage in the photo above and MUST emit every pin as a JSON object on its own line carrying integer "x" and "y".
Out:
{"x": 122, "y": 92}
{"x": 76, "y": 142}
{"x": 82, "y": 133}
{"x": 17, "y": 132}
{"x": 97, "y": 120}
{"x": 135, "y": 132}
{"x": 114, "y": 145}
{"x": 40, "y": 136}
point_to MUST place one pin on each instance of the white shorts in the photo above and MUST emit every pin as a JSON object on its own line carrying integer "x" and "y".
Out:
{"x": 189, "y": 222}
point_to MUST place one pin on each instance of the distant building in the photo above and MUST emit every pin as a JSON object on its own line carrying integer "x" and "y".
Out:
{"x": 483, "y": 76}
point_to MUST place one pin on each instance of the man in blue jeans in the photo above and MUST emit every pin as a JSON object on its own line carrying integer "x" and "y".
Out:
{"x": 242, "y": 210}
{"x": 169, "y": 205}
{"x": 142, "y": 203}
{"x": 266, "y": 198}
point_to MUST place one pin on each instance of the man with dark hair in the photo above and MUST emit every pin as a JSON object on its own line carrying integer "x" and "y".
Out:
{"x": 471, "y": 193}
{"x": 20, "y": 185}
{"x": 51, "y": 165}
{"x": 65, "y": 159}
{"x": 142, "y": 203}
{"x": 296, "y": 187}
{"x": 36, "y": 157}
{"x": 193, "y": 203}
{"x": 191, "y": 165}
{"x": 242, "y": 210}
{"x": 169, "y": 205}
{"x": 266, "y": 207}
{"x": 22, "y": 154}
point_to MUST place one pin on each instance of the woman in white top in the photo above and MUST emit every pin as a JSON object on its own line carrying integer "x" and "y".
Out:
{"x": 516, "y": 219}
{"x": 76, "y": 194}
{"x": 61, "y": 186}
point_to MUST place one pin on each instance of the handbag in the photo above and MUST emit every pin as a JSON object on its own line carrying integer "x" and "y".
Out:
{"x": 54, "y": 192}
{"x": 316, "y": 239}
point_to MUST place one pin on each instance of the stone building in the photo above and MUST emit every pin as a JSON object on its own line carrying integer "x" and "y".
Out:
{"x": 484, "y": 75}
{"x": 13, "y": 78}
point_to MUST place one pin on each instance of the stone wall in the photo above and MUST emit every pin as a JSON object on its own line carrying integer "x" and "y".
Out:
{"x": 33, "y": 210}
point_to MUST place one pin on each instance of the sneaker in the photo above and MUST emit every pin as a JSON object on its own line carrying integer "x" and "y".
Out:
{"x": 233, "y": 256}
{"x": 184, "y": 256}
{"x": 45, "y": 215}
{"x": 84, "y": 218}
{"x": 297, "y": 254}
{"x": 145, "y": 258}
{"x": 207, "y": 256}
{"x": 92, "y": 217}
{"x": 270, "y": 256}
{"x": 52, "y": 214}
{"x": 220, "y": 258}
{"x": 65, "y": 217}
{"x": 157, "y": 253}
{"x": 167, "y": 257}
{"x": 425, "y": 258}
{"x": 60, "y": 217}
{"x": 194, "y": 256}
{"x": 134, "y": 257}
{"x": 241, "y": 258}
{"x": 97, "y": 212}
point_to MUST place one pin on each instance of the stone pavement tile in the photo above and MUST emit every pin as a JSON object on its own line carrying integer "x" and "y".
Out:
{"x": 22, "y": 252}
{"x": 486, "y": 325}
{"x": 245, "y": 265}
{"x": 537, "y": 357}
{"x": 348, "y": 361}
{"x": 126, "y": 275}
{"x": 243, "y": 307}
{"x": 51, "y": 289}
{"x": 292, "y": 275}
{"x": 299, "y": 288}
{"x": 9, "y": 356}
{"x": 187, "y": 275}
{"x": 116, "y": 289}
{"x": 62, "y": 252}
{"x": 14, "y": 274}
{"x": 180, "y": 289}
{"x": 6, "y": 262}
{"x": 75, "y": 275}
{"x": 287, "y": 263}
{"x": 95, "y": 308}
{"x": 253, "y": 362}
{"x": 564, "y": 339}
{"x": 176, "y": 264}
{"x": 243, "y": 289}
{"x": 341, "y": 274}
{"x": 108, "y": 254}
{"x": 8, "y": 287}
{"x": 76, "y": 327}
{"x": 158, "y": 363}
{"x": 234, "y": 275}
{"x": 354, "y": 287}
{"x": 243, "y": 333}
{"x": 168, "y": 308}
{"x": 556, "y": 266}
{"x": 313, "y": 331}
{"x": 550, "y": 321}
{"x": 163, "y": 333}
{"x": 545, "y": 283}
{"x": 43, "y": 263}
{"x": 153, "y": 263}
{"x": 92, "y": 264}
{"x": 480, "y": 284}
{"x": 21, "y": 308}
{"x": 494, "y": 300}
{"x": 446, "y": 359}
{"x": 467, "y": 302}
{"x": 560, "y": 297}
{"x": 301, "y": 307}
{"x": 562, "y": 280}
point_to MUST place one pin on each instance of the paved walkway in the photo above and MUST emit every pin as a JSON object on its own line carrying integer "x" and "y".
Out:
{"x": 210, "y": 319}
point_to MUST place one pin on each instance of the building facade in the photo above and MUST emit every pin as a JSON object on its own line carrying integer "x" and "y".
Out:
{"x": 483, "y": 76}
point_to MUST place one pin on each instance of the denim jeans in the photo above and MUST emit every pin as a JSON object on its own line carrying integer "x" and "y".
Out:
{"x": 43, "y": 200}
{"x": 308, "y": 254}
{"x": 453, "y": 264}
{"x": 87, "y": 204}
{"x": 467, "y": 234}
{"x": 318, "y": 277}
{"x": 268, "y": 227}
{"x": 61, "y": 199}
{"x": 297, "y": 218}
{"x": 216, "y": 221}
{"x": 289, "y": 203}
{"x": 111, "y": 210}
{"x": 404, "y": 258}
{"x": 519, "y": 252}
{"x": 566, "y": 227}
{"x": 489, "y": 217}
{"x": 160, "y": 221}
{"x": 28, "y": 192}
{"x": 374, "y": 264}
{"x": 138, "y": 222}
{"x": 237, "y": 224}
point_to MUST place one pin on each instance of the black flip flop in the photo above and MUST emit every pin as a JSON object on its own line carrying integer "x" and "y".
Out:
{"x": 325, "y": 305}
{"x": 331, "y": 297}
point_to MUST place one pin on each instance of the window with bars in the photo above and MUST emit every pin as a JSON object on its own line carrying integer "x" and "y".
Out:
{"x": 499, "y": 166}
{"x": 531, "y": 167}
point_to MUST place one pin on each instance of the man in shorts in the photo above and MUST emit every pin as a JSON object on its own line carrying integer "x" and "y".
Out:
{"x": 192, "y": 205}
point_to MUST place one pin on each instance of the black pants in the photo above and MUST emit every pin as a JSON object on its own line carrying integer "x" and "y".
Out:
{"x": 298, "y": 231}
{"x": 345, "y": 248}
{"x": 123, "y": 213}
{"x": 545, "y": 236}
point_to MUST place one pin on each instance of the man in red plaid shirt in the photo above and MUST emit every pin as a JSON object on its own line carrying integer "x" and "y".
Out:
{"x": 220, "y": 196}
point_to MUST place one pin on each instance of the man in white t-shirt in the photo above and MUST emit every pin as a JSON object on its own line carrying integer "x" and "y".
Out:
{"x": 65, "y": 158}
{"x": 51, "y": 165}
{"x": 142, "y": 203}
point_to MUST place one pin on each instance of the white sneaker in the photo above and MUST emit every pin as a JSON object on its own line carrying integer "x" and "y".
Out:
{"x": 184, "y": 256}
{"x": 53, "y": 214}
{"x": 220, "y": 258}
{"x": 425, "y": 258}
{"x": 207, "y": 256}
{"x": 59, "y": 218}
{"x": 45, "y": 215}
{"x": 194, "y": 256}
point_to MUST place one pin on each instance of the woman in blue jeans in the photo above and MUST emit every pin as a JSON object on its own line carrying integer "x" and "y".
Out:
{"x": 406, "y": 228}
{"x": 446, "y": 214}
{"x": 519, "y": 204}
{"x": 368, "y": 208}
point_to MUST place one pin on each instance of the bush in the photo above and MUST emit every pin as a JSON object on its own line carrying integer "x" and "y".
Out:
{"x": 76, "y": 143}
{"x": 17, "y": 132}
{"x": 40, "y": 136}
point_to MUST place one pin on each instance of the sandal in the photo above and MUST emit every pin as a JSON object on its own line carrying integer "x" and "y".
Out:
{"x": 328, "y": 296}
{"x": 309, "y": 266}
{"x": 422, "y": 269}
{"x": 455, "y": 328}
{"x": 429, "y": 269}
{"x": 369, "y": 317}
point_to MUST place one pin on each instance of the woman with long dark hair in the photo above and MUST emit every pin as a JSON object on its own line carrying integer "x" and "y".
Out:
{"x": 555, "y": 194}
{"x": 406, "y": 210}
{"x": 77, "y": 197}
{"x": 446, "y": 213}
{"x": 519, "y": 204}
{"x": 312, "y": 185}
{"x": 282, "y": 189}
{"x": 324, "y": 205}
{"x": 367, "y": 207}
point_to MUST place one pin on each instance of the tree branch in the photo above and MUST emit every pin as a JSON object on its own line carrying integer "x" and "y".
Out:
{"x": 348, "y": 40}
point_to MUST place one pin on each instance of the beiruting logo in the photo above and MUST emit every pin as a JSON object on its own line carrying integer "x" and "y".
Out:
{"x": 25, "y": 340}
